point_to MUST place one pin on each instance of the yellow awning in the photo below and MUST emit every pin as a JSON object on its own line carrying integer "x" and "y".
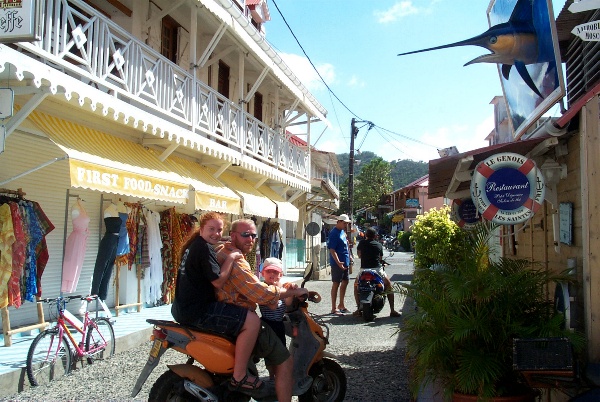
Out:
{"x": 285, "y": 210}
{"x": 209, "y": 193}
{"x": 253, "y": 202}
{"x": 102, "y": 162}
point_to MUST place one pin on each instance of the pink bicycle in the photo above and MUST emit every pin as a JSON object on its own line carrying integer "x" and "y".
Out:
{"x": 50, "y": 356}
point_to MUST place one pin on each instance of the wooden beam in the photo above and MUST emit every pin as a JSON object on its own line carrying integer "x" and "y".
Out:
{"x": 121, "y": 7}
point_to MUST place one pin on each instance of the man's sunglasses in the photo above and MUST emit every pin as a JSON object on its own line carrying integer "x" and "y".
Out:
{"x": 246, "y": 234}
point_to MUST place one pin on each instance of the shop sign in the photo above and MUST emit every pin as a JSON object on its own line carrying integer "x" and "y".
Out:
{"x": 209, "y": 202}
{"x": 507, "y": 188}
{"x": 398, "y": 218}
{"x": 20, "y": 21}
{"x": 464, "y": 212}
{"x": 110, "y": 180}
{"x": 412, "y": 203}
{"x": 590, "y": 31}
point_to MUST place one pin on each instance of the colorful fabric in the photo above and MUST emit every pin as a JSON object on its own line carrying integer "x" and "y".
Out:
{"x": 36, "y": 234}
{"x": 18, "y": 257}
{"x": 132, "y": 224}
{"x": 166, "y": 230}
{"x": 41, "y": 249}
{"x": 242, "y": 287}
{"x": 7, "y": 238}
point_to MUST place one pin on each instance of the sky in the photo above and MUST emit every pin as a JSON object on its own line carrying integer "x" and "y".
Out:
{"x": 418, "y": 103}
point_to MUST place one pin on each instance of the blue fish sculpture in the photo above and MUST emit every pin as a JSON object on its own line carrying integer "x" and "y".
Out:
{"x": 513, "y": 43}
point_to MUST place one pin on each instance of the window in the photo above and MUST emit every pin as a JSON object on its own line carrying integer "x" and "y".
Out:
{"x": 258, "y": 102}
{"x": 223, "y": 83}
{"x": 168, "y": 41}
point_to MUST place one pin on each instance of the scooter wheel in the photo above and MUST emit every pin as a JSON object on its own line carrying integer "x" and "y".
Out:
{"x": 169, "y": 387}
{"x": 329, "y": 382}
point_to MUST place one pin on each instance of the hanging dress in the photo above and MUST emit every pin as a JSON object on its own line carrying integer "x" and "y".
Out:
{"x": 7, "y": 238}
{"x": 154, "y": 278}
{"x": 36, "y": 235}
{"x": 75, "y": 248}
{"x": 18, "y": 257}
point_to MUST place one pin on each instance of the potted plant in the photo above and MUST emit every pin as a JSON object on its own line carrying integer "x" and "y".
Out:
{"x": 469, "y": 308}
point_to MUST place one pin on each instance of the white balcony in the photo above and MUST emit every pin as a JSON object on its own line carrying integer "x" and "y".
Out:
{"x": 83, "y": 44}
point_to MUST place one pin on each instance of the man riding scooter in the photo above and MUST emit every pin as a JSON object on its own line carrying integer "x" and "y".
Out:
{"x": 370, "y": 252}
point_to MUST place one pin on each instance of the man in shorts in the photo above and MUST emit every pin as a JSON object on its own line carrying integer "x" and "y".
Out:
{"x": 340, "y": 260}
{"x": 370, "y": 252}
{"x": 244, "y": 289}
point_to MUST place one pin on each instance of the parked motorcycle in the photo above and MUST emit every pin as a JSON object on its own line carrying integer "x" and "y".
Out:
{"x": 371, "y": 292}
{"x": 317, "y": 377}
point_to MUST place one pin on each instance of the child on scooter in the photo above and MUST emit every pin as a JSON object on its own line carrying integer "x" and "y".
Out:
{"x": 273, "y": 315}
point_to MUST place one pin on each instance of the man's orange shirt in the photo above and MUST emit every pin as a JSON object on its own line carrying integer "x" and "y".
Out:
{"x": 243, "y": 288}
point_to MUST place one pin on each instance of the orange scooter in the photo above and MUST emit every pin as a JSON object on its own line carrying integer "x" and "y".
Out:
{"x": 316, "y": 375}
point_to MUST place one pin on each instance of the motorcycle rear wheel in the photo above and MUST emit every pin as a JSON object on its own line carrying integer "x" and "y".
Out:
{"x": 367, "y": 312}
{"x": 329, "y": 383}
{"x": 169, "y": 387}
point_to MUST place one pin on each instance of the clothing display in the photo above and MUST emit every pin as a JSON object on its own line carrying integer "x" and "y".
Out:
{"x": 23, "y": 249}
{"x": 154, "y": 278}
{"x": 271, "y": 240}
{"x": 107, "y": 252}
{"x": 75, "y": 247}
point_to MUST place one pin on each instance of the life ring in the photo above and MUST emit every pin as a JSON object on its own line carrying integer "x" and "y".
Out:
{"x": 464, "y": 212}
{"x": 507, "y": 188}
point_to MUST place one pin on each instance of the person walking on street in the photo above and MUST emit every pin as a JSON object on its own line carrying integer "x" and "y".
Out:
{"x": 370, "y": 252}
{"x": 340, "y": 260}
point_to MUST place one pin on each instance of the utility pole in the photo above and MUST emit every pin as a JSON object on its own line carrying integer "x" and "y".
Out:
{"x": 353, "y": 134}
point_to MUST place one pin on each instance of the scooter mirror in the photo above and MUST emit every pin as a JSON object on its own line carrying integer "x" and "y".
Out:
{"x": 307, "y": 273}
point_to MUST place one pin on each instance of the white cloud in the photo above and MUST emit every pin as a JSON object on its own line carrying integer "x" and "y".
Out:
{"x": 399, "y": 10}
{"x": 307, "y": 74}
{"x": 356, "y": 82}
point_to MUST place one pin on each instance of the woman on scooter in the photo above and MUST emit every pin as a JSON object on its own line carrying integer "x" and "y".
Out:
{"x": 195, "y": 302}
{"x": 370, "y": 252}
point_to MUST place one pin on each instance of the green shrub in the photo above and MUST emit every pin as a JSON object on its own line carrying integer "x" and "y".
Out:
{"x": 436, "y": 238}
{"x": 404, "y": 239}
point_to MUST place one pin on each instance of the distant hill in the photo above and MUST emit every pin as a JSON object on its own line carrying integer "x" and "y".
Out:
{"x": 403, "y": 171}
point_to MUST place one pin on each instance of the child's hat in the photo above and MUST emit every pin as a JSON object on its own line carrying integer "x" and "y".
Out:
{"x": 273, "y": 264}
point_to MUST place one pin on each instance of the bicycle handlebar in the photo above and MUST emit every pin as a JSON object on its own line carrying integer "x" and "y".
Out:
{"x": 68, "y": 298}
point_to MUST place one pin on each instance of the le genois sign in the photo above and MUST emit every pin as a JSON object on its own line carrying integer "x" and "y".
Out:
{"x": 507, "y": 188}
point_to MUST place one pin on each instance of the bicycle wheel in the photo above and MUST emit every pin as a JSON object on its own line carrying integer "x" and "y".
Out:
{"x": 49, "y": 357}
{"x": 100, "y": 340}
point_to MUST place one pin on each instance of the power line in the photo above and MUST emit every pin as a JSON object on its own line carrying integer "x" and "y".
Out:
{"x": 371, "y": 125}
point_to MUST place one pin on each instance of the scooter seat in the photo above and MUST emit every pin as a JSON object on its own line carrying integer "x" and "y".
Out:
{"x": 175, "y": 324}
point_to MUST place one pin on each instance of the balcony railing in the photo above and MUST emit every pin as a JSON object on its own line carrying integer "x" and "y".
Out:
{"x": 84, "y": 44}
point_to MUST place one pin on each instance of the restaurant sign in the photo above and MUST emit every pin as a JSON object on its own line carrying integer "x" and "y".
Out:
{"x": 507, "y": 188}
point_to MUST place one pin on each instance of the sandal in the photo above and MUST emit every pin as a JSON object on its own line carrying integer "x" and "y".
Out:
{"x": 244, "y": 385}
{"x": 395, "y": 314}
{"x": 344, "y": 310}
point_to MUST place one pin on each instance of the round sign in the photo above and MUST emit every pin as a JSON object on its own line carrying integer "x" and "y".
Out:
{"x": 464, "y": 212}
{"x": 507, "y": 188}
{"x": 313, "y": 229}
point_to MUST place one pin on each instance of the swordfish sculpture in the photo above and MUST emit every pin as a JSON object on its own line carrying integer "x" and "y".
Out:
{"x": 517, "y": 42}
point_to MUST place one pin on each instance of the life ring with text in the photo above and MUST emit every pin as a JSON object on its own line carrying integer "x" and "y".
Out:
{"x": 507, "y": 188}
